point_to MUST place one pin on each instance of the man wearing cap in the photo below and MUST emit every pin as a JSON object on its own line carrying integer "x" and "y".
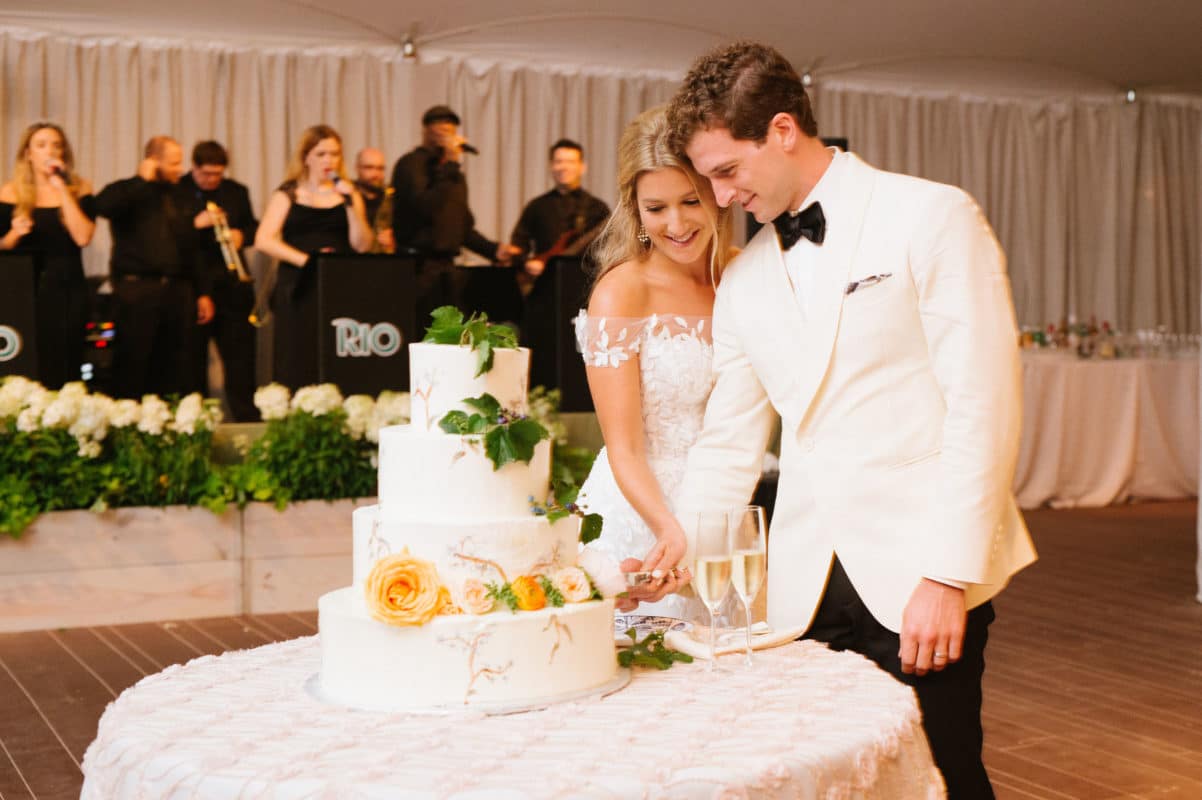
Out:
{"x": 430, "y": 215}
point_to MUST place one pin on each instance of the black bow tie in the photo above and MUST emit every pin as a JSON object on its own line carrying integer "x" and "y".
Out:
{"x": 809, "y": 222}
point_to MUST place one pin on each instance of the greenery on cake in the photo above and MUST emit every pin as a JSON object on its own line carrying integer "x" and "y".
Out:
{"x": 476, "y": 332}
{"x": 507, "y": 436}
{"x": 533, "y": 592}
{"x": 650, "y": 652}
{"x": 565, "y": 488}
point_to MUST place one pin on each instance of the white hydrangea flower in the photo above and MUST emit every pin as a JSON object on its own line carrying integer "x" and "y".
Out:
{"x": 155, "y": 415}
{"x": 392, "y": 408}
{"x": 125, "y": 413}
{"x": 88, "y": 448}
{"x": 272, "y": 401}
{"x": 317, "y": 400}
{"x": 14, "y": 390}
{"x": 76, "y": 389}
{"x": 61, "y": 411}
{"x": 359, "y": 410}
{"x": 187, "y": 414}
{"x": 211, "y": 414}
{"x": 92, "y": 421}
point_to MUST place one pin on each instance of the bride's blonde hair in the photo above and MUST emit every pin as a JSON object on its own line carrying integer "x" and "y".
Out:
{"x": 644, "y": 148}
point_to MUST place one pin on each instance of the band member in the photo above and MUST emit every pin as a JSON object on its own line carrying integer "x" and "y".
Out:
{"x": 430, "y": 214}
{"x": 218, "y": 207}
{"x": 564, "y": 217}
{"x": 370, "y": 170}
{"x": 159, "y": 289}
{"x": 316, "y": 210}
{"x": 560, "y": 222}
{"x": 47, "y": 210}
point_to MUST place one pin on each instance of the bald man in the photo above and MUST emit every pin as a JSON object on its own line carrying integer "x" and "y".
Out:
{"x": 159, "y": 288}
{"x": 370, "y": 169}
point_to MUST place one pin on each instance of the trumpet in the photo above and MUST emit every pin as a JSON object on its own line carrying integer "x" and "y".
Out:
{"x": 259, "y": 315}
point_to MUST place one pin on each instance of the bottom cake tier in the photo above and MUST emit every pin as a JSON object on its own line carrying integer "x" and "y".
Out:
{"x": 494, "y": 660}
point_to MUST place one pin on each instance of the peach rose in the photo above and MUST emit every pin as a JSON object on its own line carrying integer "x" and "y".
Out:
{"x": 473, "y": 597}
{"x": 529, "y": 594}
{"x": 403, "y": 590}
{"x": 573, "y": 584}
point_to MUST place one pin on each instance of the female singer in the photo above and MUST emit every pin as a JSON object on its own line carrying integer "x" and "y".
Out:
{"x": 316, "y": 210}
{"x": 46, "y": 210}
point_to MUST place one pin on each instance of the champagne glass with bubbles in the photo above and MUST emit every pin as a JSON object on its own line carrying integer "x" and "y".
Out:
{"x": 749, "y": 559}
{"x": 712, "y": 575}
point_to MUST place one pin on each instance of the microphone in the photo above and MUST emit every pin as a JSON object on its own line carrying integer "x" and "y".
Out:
{"x": 59, "y": 171}
{"x": 467, "y": 148}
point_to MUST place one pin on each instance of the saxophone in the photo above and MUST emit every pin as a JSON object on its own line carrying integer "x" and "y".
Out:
{"x": 259, "y": 315}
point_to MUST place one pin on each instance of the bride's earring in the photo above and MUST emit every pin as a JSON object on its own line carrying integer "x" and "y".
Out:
{"x": 643, "y": 238}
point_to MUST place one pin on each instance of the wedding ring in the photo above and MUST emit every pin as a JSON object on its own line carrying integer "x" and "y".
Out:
{"x": 941, "y": 655}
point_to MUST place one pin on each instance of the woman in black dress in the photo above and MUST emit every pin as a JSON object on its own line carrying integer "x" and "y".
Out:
{"x": 316, "y": 210}
{"x": 46, "y": 211}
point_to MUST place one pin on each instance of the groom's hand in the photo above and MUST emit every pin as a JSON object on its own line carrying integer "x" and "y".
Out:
{"x": 932, "y": 628}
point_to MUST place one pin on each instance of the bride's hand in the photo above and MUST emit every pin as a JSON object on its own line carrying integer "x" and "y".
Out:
{"x": 670, "y": 547}
{"x": 673, "y": 581}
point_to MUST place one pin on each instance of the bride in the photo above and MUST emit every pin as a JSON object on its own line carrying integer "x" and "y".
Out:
{"x": 645, "y": 338}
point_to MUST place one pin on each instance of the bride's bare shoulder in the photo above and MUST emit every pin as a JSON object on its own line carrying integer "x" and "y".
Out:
{"x": 621, "y": 292}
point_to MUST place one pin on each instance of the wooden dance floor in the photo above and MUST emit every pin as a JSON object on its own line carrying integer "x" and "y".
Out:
{"x": 1093, "y": 685}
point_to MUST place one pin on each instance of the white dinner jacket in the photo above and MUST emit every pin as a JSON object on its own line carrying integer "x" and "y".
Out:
{"x": 900, "y": 402}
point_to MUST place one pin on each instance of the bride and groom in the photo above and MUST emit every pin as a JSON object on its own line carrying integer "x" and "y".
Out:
{"x": 872, "y": 314}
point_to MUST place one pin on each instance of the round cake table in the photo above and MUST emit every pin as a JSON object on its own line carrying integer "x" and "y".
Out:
{"x": 804, "y": 723}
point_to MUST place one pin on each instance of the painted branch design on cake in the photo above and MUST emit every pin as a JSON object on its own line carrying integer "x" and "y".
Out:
{"x": 424, "y": 389}
{"x": 377, "y": 545}
{"x": 476, "y": 672}
{"x": 561, "y": 630}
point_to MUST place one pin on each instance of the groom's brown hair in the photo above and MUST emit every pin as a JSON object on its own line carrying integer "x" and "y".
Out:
{"x": 740, "y": 87}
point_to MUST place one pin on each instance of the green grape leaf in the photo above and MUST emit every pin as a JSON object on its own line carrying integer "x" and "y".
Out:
{"x": 590, "y": 529}
{"x": 447, "y": 327}
{"x": 454, "y": 422}
{"x": 486, "y": 404}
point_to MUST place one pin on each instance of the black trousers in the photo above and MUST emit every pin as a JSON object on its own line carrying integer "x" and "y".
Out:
{"x": 950, "y": 700}
{"x": 437, "y": 284}
{"x": 155, "y": 320}
{"x": 231, "y": 330}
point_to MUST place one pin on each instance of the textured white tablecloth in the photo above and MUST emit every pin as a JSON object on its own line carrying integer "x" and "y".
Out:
{"x": 1099, "y": 432}
{"x": 805, "y": 723}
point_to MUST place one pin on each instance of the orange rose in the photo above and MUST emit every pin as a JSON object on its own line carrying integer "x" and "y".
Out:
{"x": 403, "y": 590}
{"x": 528, "y": 592}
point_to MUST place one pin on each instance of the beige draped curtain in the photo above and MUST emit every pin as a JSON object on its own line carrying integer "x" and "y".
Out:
{"x": 1095, "y": 200}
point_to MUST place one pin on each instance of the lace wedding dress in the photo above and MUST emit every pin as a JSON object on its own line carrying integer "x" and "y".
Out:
{"x": 675, "y": 355}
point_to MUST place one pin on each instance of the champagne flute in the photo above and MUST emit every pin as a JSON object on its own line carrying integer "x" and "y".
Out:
{"x": 712, "y": 576}
{"x": 748, "y": 542}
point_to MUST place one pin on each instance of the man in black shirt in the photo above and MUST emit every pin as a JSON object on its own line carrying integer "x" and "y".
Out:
{"x": 564, "y": 219}
{"x": 561, "y": 222}
{"x": 370, "y": 170}
{"x": 430, "y": 215}
{"x": 158, "y": 288}
{"x": 233, "y": 291}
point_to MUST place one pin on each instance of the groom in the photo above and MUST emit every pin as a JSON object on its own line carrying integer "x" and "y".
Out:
{"x": 875, "y": 318}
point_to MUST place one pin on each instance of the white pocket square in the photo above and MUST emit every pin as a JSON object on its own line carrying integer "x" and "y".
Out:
{"x": 864, "y": 283}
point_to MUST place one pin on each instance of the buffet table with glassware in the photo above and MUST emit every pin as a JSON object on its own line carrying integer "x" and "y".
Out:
{"x": 1098, "y": 431}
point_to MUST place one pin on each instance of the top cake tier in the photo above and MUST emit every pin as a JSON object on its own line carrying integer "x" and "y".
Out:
{"x": 442, "y": 375}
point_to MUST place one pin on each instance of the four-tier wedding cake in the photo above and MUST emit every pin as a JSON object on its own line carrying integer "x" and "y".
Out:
{"x": 465, "y": 592}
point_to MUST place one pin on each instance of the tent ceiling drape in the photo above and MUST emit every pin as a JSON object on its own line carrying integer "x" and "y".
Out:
{"x": 1096, "y": 200}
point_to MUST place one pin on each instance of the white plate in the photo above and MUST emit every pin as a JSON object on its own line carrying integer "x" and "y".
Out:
{"x": 644, "y": 624}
